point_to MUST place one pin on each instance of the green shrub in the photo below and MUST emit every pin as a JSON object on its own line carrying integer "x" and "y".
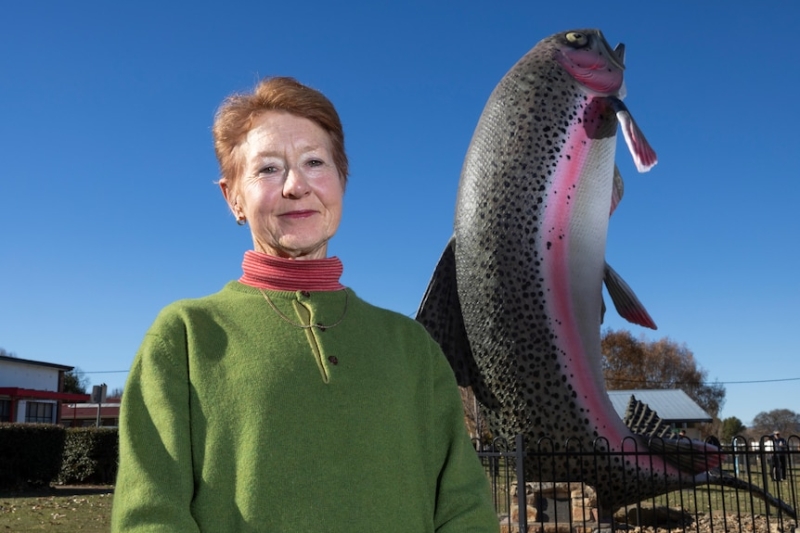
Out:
{"x": 90, "y": 456}
{"x": 30, "y": 454}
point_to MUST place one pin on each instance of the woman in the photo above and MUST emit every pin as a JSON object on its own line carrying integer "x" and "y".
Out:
{"x": 284, "y": 402}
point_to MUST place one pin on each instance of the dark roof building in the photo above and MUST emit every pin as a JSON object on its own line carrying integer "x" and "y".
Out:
{"x": 672, "y": 405}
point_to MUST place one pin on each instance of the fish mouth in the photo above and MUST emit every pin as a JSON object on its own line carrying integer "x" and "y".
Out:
{"x": 615, "y": 55}
{"x": 590, "y": 60}
{"x": 619, "y": 51}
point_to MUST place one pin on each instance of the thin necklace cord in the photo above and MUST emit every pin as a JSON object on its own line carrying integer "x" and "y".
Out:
{"x": 309, "y": 326}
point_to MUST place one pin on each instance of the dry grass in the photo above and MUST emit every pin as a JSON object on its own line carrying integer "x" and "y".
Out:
{"x": 61, "y": 509}
{"x": 707, "y": 498}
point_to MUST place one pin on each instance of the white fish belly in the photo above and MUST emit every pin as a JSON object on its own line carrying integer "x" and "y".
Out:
{"x": 575, "y": 224}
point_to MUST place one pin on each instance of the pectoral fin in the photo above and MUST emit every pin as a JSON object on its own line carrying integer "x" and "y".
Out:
{"x": 625, "y": 301}
{"x": 617, "y": 190}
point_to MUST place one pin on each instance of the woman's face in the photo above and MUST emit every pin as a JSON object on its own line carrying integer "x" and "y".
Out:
{"x": 290, "y": 190}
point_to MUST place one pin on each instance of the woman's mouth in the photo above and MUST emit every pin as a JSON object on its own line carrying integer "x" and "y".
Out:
{"x": 304, "y": 213}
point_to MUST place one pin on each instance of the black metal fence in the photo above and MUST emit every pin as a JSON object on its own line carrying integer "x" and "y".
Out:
{"x": 752, "y": 469}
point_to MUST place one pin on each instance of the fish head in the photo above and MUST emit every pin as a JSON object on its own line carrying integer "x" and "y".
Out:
{"x": 590, "y": 60}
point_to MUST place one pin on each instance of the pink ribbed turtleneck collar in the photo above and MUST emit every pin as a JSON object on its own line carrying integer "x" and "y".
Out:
{"x": 278, "y": 274}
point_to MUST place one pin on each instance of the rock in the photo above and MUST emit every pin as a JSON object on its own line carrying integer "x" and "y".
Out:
{"x": 648, "y": 515}
{"x": 532, "y": 513}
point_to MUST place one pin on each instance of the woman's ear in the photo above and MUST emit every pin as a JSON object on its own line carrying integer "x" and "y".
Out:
{"x": 232, "y": 199}
{"x": 229, "y": 194}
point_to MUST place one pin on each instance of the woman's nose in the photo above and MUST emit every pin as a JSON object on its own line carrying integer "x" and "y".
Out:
{"x": 296, "y": 184}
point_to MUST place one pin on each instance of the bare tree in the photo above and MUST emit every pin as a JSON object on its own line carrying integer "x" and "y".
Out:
{"x": 783, "y": 420}
{"x": 473, "y": 418}
{"x": 630, "y": 363}
{"x": 116, "y": 393}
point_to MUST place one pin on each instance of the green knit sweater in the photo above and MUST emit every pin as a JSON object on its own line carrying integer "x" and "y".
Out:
{"x": 233, "y": 420}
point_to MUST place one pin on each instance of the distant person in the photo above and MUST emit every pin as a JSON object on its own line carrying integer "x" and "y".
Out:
{"x": 284, "y": 402}
{"x": 779, "y": 454}
{"x": 714, "y": 441}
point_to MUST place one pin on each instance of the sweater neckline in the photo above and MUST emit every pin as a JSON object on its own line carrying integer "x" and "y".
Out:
{"x": 264, "y": 271}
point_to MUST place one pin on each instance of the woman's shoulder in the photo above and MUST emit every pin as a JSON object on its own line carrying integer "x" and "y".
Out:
{"x": 186, "y": 308}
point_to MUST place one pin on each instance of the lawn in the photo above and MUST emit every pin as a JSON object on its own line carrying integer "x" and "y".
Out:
{"x": 697, "y": 501}
{"x": 706, "y": 498}
{"x": 62, "y": 509}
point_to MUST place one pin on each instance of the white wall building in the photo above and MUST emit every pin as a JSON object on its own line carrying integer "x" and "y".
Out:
{"x": 32, "y": 391}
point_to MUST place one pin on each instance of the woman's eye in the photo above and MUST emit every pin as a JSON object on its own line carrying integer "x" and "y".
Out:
{"x": 315, "y": 163}
{"x": 269, "y": 169}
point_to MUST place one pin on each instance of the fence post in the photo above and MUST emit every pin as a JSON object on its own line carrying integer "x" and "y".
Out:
{"x": 522, "y": 489}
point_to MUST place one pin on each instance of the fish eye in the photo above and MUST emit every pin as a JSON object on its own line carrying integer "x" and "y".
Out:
{"x": 576, "y": 38}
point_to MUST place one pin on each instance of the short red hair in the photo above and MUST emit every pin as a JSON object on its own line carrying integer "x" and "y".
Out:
{"x": 236, "y": 115}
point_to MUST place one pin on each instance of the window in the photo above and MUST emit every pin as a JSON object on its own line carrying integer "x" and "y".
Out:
{"x": 39, "y": 412}
{"x": 5, "y": 410}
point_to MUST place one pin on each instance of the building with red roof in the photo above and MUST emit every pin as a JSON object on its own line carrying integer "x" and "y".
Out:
{"x": 84, "y": 414}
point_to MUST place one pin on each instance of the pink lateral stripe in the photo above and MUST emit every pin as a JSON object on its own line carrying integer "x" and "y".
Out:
{"x": 556, "y": 223}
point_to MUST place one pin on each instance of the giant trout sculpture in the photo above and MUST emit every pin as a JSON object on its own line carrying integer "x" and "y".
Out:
{"x": 516, "y": 299}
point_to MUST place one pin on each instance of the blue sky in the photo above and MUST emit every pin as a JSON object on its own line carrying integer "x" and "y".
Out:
{"x": 110, "y": 211}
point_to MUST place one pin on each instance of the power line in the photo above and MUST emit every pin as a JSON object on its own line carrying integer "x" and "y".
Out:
{"x": 704, "y": 384}
{"x": 758, "y": 381}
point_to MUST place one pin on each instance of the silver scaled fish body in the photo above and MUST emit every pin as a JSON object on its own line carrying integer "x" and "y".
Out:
{"x": 516, "y": 298}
